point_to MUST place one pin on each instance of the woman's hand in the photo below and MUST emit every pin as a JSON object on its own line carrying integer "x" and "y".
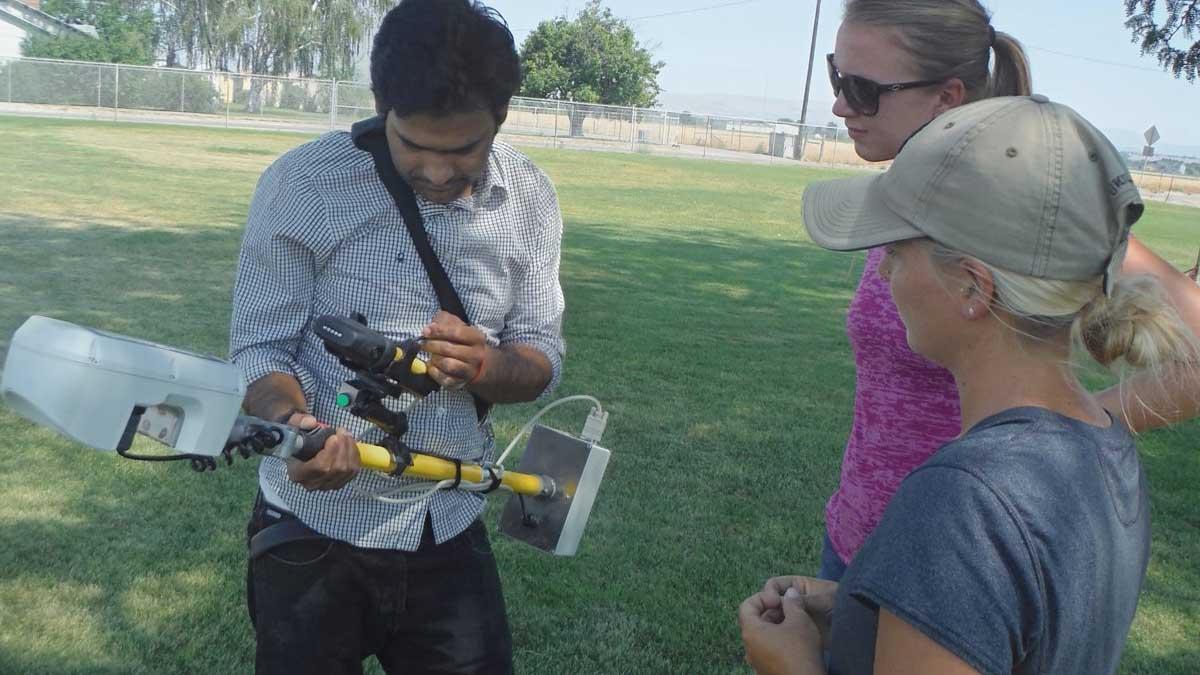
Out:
{"x": 817, "y": 596}
{"x": 780, "y": 636}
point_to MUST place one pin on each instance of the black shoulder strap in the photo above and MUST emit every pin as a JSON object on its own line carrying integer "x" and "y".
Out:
{"x": 369, "y": 135}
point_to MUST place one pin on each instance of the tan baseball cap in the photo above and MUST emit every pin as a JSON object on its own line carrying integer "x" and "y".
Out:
{"x": 1019, "y": 182}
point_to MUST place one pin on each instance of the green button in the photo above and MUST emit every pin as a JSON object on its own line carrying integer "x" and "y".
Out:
{"x": 343, "y": 400}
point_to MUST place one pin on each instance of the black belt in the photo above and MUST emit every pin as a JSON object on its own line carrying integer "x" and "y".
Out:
{"x": 286, "y": 531}
{"x": 290, "y": 529}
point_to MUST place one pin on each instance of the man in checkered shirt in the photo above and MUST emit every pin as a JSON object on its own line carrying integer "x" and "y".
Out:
{"x": 415, "y": 584}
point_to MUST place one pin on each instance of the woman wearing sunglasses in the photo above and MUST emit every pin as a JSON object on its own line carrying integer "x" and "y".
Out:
{"x": 1020, "y": 546}
{"x": 897, "y": 65}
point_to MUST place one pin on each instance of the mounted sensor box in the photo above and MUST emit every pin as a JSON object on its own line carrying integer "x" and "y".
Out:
{"x": 555, "y": 525}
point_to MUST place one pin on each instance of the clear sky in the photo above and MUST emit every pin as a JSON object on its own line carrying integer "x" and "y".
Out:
{"x": 1080, "y": 50}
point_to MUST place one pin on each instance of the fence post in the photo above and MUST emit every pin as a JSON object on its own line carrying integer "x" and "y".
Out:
{"x": 181, "y": 83}
{"x": 333, "y": 105}
{"x": 557, "y": 113}
{"x": 10, "y": 65}
{"x": 116, "y": 92}
{"x": 1170, "y": 187}
{"x": 99, "y": 76}
{"x": 707, "y": 135}
{"x": 632, "y": 129}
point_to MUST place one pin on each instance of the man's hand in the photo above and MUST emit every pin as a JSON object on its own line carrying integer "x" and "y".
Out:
{"x": 789, "y": 646}
{"x": 331, "y": 468}
{"x": 457, "y": 351}
{"x": 460, "y": 357}
{"x": 815, "y": 595}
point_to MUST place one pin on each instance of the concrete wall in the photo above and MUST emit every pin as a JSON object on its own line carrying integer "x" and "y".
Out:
{"x": 10, "y": 37}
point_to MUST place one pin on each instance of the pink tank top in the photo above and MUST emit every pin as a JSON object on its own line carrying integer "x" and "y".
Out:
{"x": 905, "y": 408}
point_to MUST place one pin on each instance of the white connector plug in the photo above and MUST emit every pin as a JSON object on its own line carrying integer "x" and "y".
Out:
{"x": 593, "y": 428}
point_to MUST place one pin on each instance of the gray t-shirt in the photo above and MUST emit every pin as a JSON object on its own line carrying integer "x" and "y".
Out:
{"x": 1020, "y": 547}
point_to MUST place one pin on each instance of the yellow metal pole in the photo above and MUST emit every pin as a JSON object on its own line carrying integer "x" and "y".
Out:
{"x": 435, "y": 468}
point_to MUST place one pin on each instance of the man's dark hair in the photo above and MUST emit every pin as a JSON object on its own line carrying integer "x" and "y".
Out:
{"x": 443, "y": 56}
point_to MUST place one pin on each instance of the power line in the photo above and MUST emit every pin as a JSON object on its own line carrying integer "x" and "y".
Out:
{"x": 678, "y": 12}
{"x": 1092, "y": 60}
{"x": 695, "y": 10}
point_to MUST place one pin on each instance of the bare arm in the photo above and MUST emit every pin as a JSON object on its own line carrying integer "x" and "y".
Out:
{"x": 1146, "y": 402}
{"x": 273, "y": 395}
{"x": 901, "y": 649}
{"x": 514, "y": 373}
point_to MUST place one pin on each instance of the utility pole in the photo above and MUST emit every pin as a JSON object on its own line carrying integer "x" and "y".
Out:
{"x": 812, "y": 50}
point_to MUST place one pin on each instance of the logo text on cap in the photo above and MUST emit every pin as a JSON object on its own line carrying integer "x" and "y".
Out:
{"x": 1114, "y": 185}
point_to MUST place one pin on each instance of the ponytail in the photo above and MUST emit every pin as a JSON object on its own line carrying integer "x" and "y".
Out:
{"x": 1010, "y": 74}
{"x": 1137, "y": 326}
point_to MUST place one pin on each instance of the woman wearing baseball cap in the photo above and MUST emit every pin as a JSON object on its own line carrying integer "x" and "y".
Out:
{"x": 1020, "y": 546}
{"x": 897, "y": 65}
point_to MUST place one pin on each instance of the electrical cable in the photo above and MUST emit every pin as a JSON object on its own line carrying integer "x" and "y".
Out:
{"x": 533, "y": 420}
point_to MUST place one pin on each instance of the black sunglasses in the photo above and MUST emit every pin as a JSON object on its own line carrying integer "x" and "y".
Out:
{"x": 863, "y": 94}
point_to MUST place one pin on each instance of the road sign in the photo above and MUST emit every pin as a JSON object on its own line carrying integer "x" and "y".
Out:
{"x": 1147, "y": 151}
{"x": 1152, "y": 135}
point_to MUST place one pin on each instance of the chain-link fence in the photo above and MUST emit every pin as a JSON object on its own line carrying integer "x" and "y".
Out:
{"x": 566, "y": 124}
{"x": 142, "y": 94}
{"x": 137, "y": 93}
{"x": 105, "y": 91}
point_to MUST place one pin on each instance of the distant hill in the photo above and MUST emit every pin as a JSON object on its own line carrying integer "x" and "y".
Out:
{"x": 1133, "y": 141}
{"x": 819, "y": 114}
{"x": 749, "y": 106}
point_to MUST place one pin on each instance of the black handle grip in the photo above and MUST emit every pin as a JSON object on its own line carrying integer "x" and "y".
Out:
{"x": 370, "y": 353}
{"x": 354, "y": 342}
{"x": 314, "y": 440}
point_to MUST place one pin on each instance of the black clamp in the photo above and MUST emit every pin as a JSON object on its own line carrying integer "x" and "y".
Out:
{"x": 496, "y": 480}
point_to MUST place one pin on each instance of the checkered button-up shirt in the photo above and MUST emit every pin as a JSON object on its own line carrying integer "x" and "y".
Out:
{"x": 325, "y": 237}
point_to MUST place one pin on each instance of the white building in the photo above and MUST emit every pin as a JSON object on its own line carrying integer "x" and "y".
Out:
{"x": 19, "y": 18}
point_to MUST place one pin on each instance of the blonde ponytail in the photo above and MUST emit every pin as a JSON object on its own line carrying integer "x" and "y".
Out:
{"x": 1010, "y": 75}
{"x": 1138, "y": 327}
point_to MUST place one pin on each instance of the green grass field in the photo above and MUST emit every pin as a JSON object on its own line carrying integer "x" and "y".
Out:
{"x": 697, "y": 312}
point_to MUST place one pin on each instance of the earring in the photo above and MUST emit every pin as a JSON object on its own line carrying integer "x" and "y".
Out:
{"x": 970, "y": 311}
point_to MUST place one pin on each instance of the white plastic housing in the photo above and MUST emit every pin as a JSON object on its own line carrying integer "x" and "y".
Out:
{"x": 85, "y": 383}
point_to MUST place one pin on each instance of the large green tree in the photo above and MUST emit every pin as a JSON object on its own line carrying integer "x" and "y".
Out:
{"x": 126, "y": 30}
{"x": 1157, "y": 30}
{"x": 593, "y": 58}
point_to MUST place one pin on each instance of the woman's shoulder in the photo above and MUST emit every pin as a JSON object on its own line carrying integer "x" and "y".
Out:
{"x": 1022, "y": 448}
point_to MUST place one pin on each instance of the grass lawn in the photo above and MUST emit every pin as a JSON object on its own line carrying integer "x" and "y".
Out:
{"x": 698, "y": 313}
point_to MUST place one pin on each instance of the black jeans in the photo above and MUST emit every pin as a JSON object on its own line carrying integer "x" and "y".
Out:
{"x": 324, "y": 606}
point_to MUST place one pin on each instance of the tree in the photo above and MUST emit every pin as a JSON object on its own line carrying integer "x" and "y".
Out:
{"x": 594, "y": 58}
{"x": 270, "y": 37}
{"x": 125, "y": 27}
{"x": 1181, "y": 16}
